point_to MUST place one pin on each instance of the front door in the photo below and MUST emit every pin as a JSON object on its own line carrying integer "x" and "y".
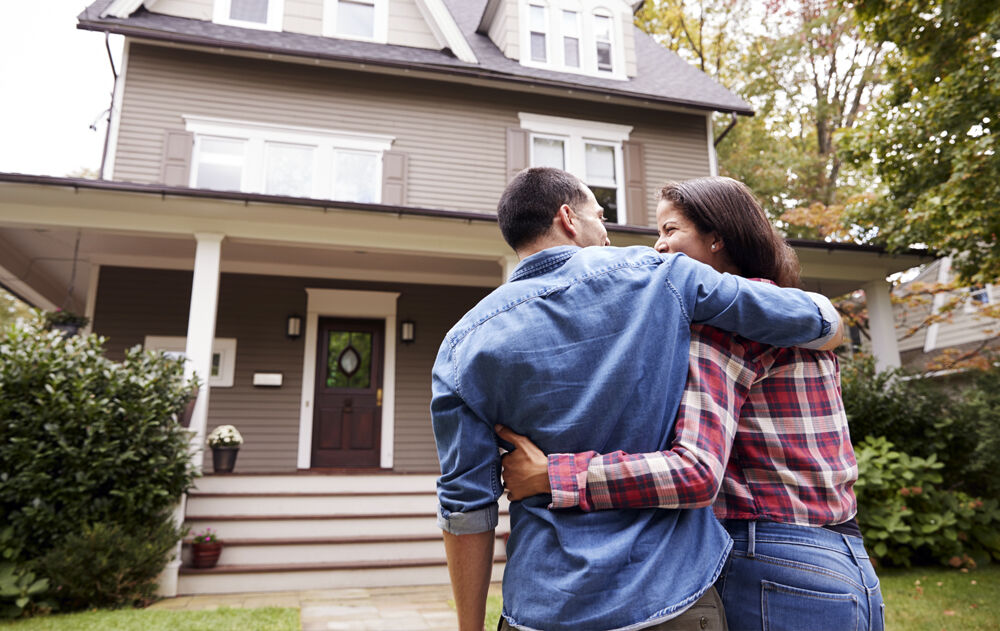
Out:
{"x": 347, "y": 413}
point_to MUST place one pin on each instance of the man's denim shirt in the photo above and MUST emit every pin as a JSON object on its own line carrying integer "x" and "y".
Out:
{"x": 588, "y": 349}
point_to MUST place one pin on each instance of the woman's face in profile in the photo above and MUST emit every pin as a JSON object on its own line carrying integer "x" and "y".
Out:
{"x": 679, "y": 235}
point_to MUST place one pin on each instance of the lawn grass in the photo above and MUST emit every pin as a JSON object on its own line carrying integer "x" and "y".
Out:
{"x": 941, "y": 599}
{"x": 222, "y": 619}
{"x": 917, "y": 599}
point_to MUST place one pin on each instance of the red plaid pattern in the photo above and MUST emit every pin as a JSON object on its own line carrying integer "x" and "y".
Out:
{"x": 761, "y": 434}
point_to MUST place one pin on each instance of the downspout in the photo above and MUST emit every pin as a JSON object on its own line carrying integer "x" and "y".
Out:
{"x": 111, "y": 108}
{"x": 725, "y": 131}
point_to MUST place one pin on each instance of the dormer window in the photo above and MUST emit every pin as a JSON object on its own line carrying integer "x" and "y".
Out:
{"x": 539, "y": 48}
{"x": 356, "y": 19}
{"x": 602, "y": 38}
{"x": 262, "y": 14}
{"x": 571, "y": 38}
{"x": 578, "y": 36}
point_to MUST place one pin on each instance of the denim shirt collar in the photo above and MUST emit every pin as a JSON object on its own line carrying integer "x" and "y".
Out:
{"x": 543, "y": 262}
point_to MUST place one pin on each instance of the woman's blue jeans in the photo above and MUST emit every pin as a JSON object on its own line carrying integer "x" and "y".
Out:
{"x": 784, "y": 577}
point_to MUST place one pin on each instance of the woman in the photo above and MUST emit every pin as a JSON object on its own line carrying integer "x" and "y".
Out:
{"x": 761, "y": 435}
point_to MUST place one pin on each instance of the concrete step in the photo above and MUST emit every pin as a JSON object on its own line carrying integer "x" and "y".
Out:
{"x": 314, "y": 504}
{"x": 346, "y": 550}
{"x": 294, "y": 577}
{"x": 378, "y": 483}
{"x": 306, "y": 527}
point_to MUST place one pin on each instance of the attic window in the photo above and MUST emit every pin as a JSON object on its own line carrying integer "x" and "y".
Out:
{"x": 261, "y": 14}
{"x": 539, "y": 49}
{"x": 577, "y": 36}
{"x": 571, "y": 38}
{"x": 602, "y": 39}
{"x": 365, "y": 20}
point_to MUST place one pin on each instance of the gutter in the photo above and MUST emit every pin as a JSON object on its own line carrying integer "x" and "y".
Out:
{"x": 111, "y": 106}
{"x": 467, "y": 72}
{"x": 725, "y": 131}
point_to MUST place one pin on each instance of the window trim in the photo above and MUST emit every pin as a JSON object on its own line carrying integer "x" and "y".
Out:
{"x": 225, "y": 347}
{"x": 275, "y": 15}
{"x": 576, "y": 134}
{"x": 973, "y": 307}
{"x": 258, "y": 135}
{"x": 381, "y": 25}
{"x": 604, "y": 13}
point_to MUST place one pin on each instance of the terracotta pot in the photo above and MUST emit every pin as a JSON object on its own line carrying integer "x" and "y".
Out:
{"x": 224, "y": 459}
{"x": 205, "y": 555}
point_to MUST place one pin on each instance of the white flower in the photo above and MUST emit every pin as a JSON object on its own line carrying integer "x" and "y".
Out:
{"x": 225, "y": 436}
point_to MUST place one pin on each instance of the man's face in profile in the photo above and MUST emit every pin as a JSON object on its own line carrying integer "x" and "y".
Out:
{"x": 591, "y": 218}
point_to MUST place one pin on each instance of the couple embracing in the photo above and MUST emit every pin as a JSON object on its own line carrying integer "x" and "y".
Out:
{"x": 662, "y": 383}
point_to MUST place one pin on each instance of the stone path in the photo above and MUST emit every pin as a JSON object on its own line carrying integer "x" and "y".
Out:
{"x": 421, "y": 608}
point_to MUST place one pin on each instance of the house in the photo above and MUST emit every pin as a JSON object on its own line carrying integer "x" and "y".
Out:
{"x": 299, "y": 196}
{"x": 933, "y": 325}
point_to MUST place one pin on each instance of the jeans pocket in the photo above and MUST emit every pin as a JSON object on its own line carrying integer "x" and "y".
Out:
{"x": 785, "y": 608}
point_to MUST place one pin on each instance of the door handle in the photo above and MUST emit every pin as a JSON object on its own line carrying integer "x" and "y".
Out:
{"x": 378, "y": 398}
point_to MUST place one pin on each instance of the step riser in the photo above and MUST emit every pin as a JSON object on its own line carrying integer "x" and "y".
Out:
{"x": 315, "y": 528}
{"x": 326, "y": 505}
{"x": 310, "y": 580}
{"x": 333, "y": 553}
{"x": 316, "y": 484}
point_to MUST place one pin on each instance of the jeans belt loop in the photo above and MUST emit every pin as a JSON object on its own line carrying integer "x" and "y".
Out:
{"x": 847, "y": 542}
{"x": 751, "y": 537}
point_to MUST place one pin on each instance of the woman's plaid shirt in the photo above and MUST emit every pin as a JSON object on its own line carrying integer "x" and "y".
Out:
{"x": 761, "y": 434}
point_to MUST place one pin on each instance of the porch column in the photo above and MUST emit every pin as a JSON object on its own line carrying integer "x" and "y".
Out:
{"x": 881, "y": 325}
{"x": 198, "y": 351}
{"x": 507, "y": 265}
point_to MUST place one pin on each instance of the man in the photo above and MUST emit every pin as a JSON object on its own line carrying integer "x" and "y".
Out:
{"x": 577, "y": 351}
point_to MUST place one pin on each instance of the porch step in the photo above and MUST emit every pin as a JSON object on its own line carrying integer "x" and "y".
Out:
{"x": 366, "y": 483}
{"x": 283, "y": 552}
{"x": 339, "y": 504}
{"x": 309, "y": 576}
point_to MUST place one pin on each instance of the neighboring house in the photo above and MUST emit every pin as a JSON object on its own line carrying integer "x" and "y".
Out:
{"x": 299, "y": 196}
{"x": 967, "y": 325}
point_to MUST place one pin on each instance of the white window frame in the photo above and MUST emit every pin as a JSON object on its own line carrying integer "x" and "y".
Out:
{"x": 275, "y": 15}
{"x": 224, "y": 347}
{"x": 577, "y": 133}
{"x": 547, "y": 33}
{"x": 585, "y": 10}
{"x": 257, "y": 135}
{"x": 604, "y": 13}
{"x": 381, "y": 27}
{"x": 578, "y": 36}
{"x": 971, "y": 306}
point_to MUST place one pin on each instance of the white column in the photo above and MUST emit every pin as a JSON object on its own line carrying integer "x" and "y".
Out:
{"x": 881, "y": 325}
{"x": 200, "y": 335}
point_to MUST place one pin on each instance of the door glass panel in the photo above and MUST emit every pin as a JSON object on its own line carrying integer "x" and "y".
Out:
{"x": 349, "y": 359}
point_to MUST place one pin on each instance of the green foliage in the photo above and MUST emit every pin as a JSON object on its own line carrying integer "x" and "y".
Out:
{"x": 13, "y": 310}
{"x": 86, "y": 442}
{"x": 932, "y": 140}
{"x": 20, "y": 590}
{"x": 907, "y": 517}
{"x": 109, "y": 565}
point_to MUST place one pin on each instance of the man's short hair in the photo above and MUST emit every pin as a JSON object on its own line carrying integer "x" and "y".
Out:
{"x": 531, "y": 201}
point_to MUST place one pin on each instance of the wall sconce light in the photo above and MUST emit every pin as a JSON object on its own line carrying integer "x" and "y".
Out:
{"x": 408, "y": 331}
{"x": 294, "y": 328}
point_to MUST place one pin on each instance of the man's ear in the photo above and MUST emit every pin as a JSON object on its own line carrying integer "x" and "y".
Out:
{"x": 565, "y": 219}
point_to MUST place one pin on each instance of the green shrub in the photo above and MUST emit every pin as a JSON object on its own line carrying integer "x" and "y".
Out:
{"x": 109, "y": 565}
{"x": 907, "y": 517}
{"x": 20, "y": 590}
{"x": 86, "y": 441}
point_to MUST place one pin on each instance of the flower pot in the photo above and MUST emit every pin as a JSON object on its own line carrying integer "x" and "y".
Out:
{"x": 205, "y": 555}
{"x": 224, "y": 459}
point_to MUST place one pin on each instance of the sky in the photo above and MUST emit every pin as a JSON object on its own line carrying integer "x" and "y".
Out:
{"x": 55, "y": 80}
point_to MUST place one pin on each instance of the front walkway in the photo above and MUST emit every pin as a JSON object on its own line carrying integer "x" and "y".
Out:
{"x": 423, "y": 608}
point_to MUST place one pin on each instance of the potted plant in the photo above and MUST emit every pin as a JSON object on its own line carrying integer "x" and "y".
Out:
{"x": 225, "y": 441}
{"x": 205, "y": 549}
{"x": 66, "y": 321}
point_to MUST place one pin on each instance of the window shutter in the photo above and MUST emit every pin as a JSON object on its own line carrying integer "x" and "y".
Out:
{"x": 518, "y": 151}
{"x": 635, "y": 184}
{"x": 394, "y": 178}
{"x": 177, "y": 149}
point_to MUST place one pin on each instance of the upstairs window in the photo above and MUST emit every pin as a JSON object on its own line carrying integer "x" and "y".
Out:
{"x": 979, "y": 297}
{"x": 539, "y": 47}
{"x": 287, "y": 161}
{"x": 356, "y": 19}
{"x": 590, "y": 150}
{"x": 571, "y": 38}
{"x": 602, "y": 39}
{"x": 262, "y": 14}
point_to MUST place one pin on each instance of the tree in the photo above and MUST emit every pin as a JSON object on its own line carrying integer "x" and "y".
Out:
{"x": 931, "y": 138}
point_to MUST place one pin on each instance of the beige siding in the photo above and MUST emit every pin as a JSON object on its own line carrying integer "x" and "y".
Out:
{"x": 964, "y": 328}
{"x": 303, "y": 16}
{"x": 503, "y": 31}
{"x": 407, "y": 26}
{"x": 133, "y": 303}
{"x": 194, "y": 9}
{"x": 907, "y": 316}
{"x": 455, "y": 136}
{"x": 631, "y": 63}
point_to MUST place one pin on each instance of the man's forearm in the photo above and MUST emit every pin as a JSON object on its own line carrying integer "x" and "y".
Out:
{"x": 470, "y": 565}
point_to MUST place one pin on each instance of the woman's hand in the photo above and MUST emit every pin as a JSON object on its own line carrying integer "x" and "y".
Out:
{"x": 525, "y": 469}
